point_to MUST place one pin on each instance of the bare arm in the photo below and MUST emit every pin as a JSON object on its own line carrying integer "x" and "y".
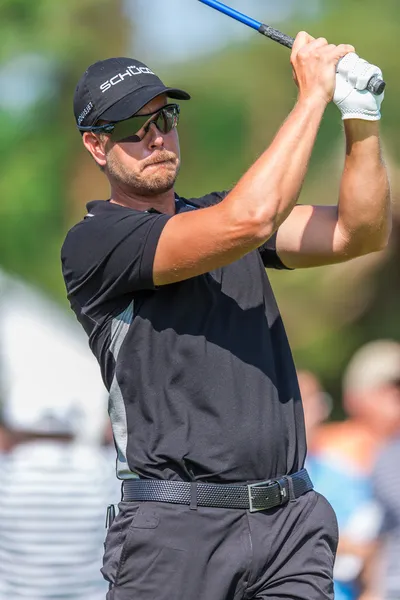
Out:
{"x": 361, "y": 223}
{"x": 196, "y": 242}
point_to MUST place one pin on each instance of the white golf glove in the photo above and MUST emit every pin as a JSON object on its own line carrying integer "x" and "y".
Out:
{"x": 351, "y": 97}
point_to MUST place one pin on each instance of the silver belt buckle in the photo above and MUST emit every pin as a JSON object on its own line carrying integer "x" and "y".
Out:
{"x": 266, "y": 484}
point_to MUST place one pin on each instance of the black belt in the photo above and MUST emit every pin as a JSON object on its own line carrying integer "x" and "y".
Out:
{"x": 262, "y": 495}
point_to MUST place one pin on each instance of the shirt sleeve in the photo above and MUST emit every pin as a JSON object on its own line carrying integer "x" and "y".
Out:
{"x": 207, "y": 200}
{"x": 110, "y": 255}
{"x": 270, "y": 256}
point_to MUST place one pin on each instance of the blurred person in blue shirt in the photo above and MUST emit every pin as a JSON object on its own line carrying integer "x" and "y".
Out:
{"x": 342, "y": 455}
{"x": 386, "y": 485}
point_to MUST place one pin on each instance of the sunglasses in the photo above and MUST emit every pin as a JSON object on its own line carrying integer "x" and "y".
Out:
{"x": 135, "y": 128}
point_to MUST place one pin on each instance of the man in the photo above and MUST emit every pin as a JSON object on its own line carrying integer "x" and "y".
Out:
{"x": 53, "y": 495}
{"x": 173, "y": 293}
{"x": 346, "y": 453}
{"x": 55, "y": 482}
{"x": 373, "y": 381}
{"x": 386, "y": 482}
{"x": 371, "y": 402}
{"x": 317, "y": 404}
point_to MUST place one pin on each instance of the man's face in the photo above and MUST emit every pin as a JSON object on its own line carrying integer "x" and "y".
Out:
{"x": 380, "y": 408}
{"x": 148, "y": 167}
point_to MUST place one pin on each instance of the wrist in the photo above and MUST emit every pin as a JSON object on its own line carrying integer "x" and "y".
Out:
{"x": 312, "y": 103}
{"x": 362, "y": 141}
{"x": 358, "y": 130}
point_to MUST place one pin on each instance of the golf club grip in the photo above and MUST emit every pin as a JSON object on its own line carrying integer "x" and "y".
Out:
{"x": 277, "y": 36}
{"x": 375, "y": 85}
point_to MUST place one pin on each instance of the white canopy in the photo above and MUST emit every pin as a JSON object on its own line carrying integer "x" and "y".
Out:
{"x": 49, "y": 379}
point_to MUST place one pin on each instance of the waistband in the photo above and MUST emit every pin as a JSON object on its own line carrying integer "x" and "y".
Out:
{"x": 257, "y": 496}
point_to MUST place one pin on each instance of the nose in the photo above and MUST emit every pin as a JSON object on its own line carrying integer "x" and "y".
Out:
{"x": 156, "y": 137}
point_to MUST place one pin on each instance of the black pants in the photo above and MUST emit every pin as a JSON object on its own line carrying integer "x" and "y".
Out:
{"x": 159, "y": 551}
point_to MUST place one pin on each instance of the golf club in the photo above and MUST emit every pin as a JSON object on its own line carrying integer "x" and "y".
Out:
{"x": 376, "y": 85}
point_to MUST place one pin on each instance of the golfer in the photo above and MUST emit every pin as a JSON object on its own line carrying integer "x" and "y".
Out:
{"x": 174, "y": 296}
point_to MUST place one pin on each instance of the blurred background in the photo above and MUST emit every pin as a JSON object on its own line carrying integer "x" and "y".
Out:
{"x": 242, "y": 91}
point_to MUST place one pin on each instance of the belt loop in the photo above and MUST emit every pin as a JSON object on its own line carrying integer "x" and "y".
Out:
{"x": 193, "y": 495}
{"x": 110, "y": 515}
{"x": 292, "y": 497}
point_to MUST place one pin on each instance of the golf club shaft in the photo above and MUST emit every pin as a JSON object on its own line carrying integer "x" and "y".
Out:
{"x": 376, "y": 85}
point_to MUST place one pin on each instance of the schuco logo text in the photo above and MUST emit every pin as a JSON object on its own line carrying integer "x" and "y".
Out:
{"x": 130, "y": 72}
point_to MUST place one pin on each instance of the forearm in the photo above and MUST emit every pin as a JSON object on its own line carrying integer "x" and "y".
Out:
{"x": 364, "y": 213}
{"x": 267, "y": 193}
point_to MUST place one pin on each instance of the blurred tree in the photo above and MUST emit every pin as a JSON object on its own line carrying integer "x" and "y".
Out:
{"x": 240, "y": 97}
{"x": 37, "y": 141}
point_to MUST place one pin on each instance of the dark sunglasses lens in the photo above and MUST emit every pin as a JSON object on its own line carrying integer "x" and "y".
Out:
{"x": 167, "y": 119}
{"x": 129, "y": 129}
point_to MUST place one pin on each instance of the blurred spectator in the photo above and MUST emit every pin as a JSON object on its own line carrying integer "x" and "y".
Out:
{"x": 53, "y": 498}
{"x": 386, "y": 485}
{"x": 317, "y": 405}
{"x": 387, "y": 493}
{"x": 42, "y": 350}
{"x": 346, "y": 453}
{"x": 55, "y": 479}
{"x": 4, "y": 440}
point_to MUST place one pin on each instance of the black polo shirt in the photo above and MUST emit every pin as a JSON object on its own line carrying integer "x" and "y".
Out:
{"x": 201, "y": 377}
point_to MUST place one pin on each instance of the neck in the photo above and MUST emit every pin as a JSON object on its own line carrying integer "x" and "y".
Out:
{"x": 163, "y": 203}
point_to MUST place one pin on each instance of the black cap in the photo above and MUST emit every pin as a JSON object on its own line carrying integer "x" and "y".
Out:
{"x": 117, "y": 88}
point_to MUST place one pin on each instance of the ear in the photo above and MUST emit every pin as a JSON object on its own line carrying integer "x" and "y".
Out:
{"x": 96, "y": 146}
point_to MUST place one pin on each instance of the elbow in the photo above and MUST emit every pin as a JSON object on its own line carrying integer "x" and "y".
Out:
{"x": 368, "y": 244}
{"x": 252, "y": 231}
{"x": 256, "y": 223}
{"x": 379, "y": 239}
{"x": 264, "y": 225}
{"x": 382, "y": 243}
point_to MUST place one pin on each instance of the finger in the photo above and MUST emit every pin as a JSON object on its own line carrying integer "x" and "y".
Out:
{"x": 339, "y": 54}
{"x": 342, "y": 49}
{"x": 347, "y": 64}
{"x": 359, "y": 67}
{"x": 302, "y": 39}
{"x": 318, "y": 43}
{"x": 357, "y": 71}
{"x": 331, "y": 51}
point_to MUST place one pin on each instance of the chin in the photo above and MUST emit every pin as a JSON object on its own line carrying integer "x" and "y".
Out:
{"x": 160, "y": 183}
{"x": 157, "y": 187}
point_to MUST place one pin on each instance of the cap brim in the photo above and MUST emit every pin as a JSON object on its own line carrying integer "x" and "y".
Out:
{"x": 133, "y": 102}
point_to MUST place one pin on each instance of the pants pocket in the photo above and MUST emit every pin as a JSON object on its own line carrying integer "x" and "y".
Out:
{"x": 116, "y": 540}
{"x": 150, "y": 567}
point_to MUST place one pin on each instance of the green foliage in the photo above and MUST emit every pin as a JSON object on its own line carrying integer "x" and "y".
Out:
{"x": 239, "y": 100}
{"x": 37, "y": 146}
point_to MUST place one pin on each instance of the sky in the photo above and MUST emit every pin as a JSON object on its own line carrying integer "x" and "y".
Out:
{"x": 168, "y": 31}
{"x": 163, "y": 32}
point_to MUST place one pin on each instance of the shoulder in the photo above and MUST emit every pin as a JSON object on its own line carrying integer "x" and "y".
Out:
{"x": 390, "y": 453}
{"x": 97, "y": 213}
{"x": 100, "y": 212}
{"x": 106, "y": 225}
{"x": 110, "y": 253}
{"x": 349, "y": 441}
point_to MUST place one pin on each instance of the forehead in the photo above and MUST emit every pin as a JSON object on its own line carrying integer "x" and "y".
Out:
{"x": 154, "y": 104}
